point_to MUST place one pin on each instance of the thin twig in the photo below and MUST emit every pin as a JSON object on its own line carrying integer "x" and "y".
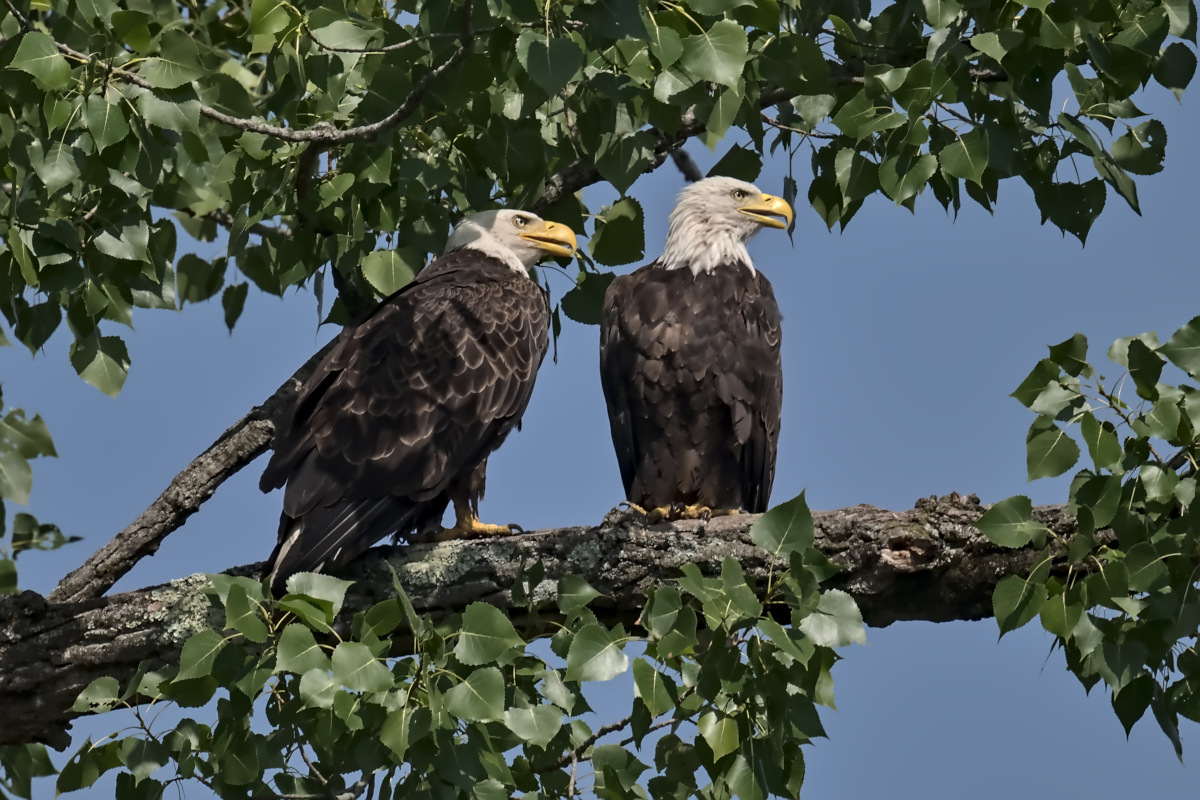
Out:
{"x": 856, "y": 43}
{"x": 956, "y": 114}
{"x": 774, "y": 123}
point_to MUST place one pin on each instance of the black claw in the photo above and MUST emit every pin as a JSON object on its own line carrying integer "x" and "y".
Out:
{"x": 678, "y": 510}
{"x": 515, "y": 530}
{"x": 706, "y": 514}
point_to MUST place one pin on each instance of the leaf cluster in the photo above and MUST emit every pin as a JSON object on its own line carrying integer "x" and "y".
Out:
{"x": 727, "y": 679}
{"x": 1120, "y": 593}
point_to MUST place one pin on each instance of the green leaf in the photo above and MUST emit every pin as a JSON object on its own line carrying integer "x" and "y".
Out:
{"x": 8, "y": 567}
{"x": 966, "y": 157}
{"x": 1145, "y": 367}
{"x": 178, "y": 64}
{"x": 1016, "y": 601}
{"x": 940, "y": 13}
{"x": 1141, "y": 150}
{"x": 487, "y": 636}
{"x": 244, "y": 616}
{"x": 199, "y": 653}
{"x": 785, "y": 529}
{"x": 102, "y": 694}
{"x": 1175, "y": 68}
{"x": 740, "y": 162}
{"x": 1102, "y": 441}
{"x": 997, "y": 44}
{"x": 233, "y": 300}
{"x": 397, "y": 732}
{"x": 38, "y": 55}
{"x": 619, "y": 236}
{"x": 1181, "y": 18}
{"x": 585, "y": 302}
{"x": 389, "y": 270}
{"x": 298, "y": 651}
{"x": 1060, "y": 614}
{"x": 594, "y": 655}
{"x": 857, "y": 177}
{"x": 535, "y": 726}
{"x": 102, "y": 361}
{"x": 551, "y": 63}
{"x": 196, "y": 279}
{"x": 57, "y": 166}
{"x": 318, "y": 688}
{"x": 813, "y": 109}
{"x": 720, "y": 732}
{"x": 1009, "y": 523}
{"x": 270, "y": 16}
{"x": 1131, "y": 702}
{"x": 712, "y": 8}
{"x": 861, "y": 116}
{"x": 30, "y": 438}
{"x": 1049, "y": 451}
{"x": 1036, "y": 382}
{"x": 105, "y": 121}
{"x": 1071, "y": 355}
{"x": 656, "y": 690}
{"x": 836, "y": 622}
{"x": 356, "y": 668}
{"x": 1072, "y": 207}
{"x": 326, "y": 591}
{"x": 901, "y": 177}
{"x": 479, "y": 698}
{"x": 624, "y": 158}
{"x": 661, "y": 609}
{"x": 309, "y": 613}
{"x": 574, "y": 593}
{"x": 1183, "y": 349}
{"x": 717, "y": 55}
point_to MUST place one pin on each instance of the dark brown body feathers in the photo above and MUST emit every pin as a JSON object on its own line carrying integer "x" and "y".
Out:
{"x": 400, "y": 417}
{"x": 692, "y": 376}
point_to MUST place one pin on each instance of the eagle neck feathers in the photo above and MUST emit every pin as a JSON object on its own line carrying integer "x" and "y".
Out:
{"x": 489, "y": 246}
{"x": 701, "y": 242}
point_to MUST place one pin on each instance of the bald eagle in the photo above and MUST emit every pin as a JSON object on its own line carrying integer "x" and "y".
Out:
{"x": 689, "y": 360}
{"x": 399, "y": 418}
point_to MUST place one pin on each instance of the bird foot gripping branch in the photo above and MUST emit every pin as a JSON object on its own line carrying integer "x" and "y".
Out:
{"x": 679, "y": 511}
{"x": 468, "y": 526}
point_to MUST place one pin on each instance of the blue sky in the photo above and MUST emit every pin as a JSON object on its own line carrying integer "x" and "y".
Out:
{"x": 903, "y": 337}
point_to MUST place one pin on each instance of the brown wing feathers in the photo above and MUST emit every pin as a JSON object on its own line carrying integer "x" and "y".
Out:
{"x": 410, "y": 400}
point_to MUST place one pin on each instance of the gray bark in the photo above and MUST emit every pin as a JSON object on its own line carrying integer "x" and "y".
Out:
{"x": 928, "y": 563}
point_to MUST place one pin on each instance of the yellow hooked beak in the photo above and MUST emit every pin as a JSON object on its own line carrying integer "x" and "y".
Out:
{"x": 769, "y": 210}
{"x": 553, "y": 237}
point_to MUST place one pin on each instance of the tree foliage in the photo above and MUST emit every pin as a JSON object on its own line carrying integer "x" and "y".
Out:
{"x": 1120, "y": 594}
{"x": 339, "y": 139}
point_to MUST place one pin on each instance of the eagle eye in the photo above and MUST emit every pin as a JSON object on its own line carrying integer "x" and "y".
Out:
{"x": 739, "y": 194}
{"x": 520, "y": 221}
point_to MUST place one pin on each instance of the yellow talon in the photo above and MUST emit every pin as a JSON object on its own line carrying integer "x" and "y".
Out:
{"x": 468, "y": 526}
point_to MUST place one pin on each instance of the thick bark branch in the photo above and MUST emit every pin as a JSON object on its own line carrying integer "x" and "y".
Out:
{"x": 928, "y": 563}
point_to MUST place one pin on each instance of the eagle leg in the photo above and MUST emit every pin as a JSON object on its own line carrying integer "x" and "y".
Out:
{"x": 468, "y": 526}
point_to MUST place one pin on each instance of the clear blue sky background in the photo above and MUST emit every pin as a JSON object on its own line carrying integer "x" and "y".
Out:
{"x": 903, "y": 338}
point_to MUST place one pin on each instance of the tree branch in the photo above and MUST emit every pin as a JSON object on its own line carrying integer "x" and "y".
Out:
{"x": 686, "y": 165}
{"x": 928, "y": 563}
